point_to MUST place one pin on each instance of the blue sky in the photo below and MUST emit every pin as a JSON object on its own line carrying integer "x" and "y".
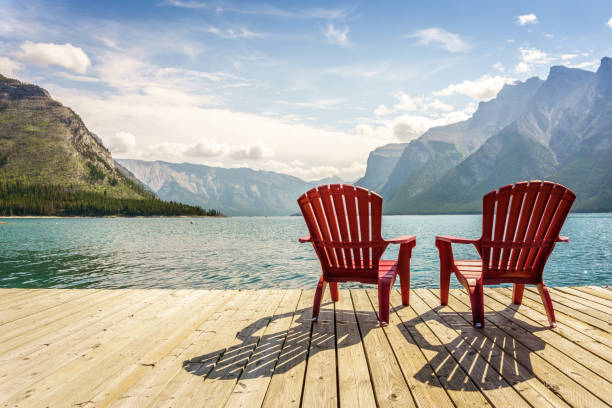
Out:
{"x": 305, "y": 88}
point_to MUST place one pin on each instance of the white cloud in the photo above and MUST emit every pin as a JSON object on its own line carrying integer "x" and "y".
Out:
{"x": 566, "y": 57}
{"x": 484, "y": 88}
{"x": 9, "y": 67}
{"x": 521, "y": 68}
{"x": 534, "y": 56}
{"x": 530, "y": 56}
{"x": 230, "y": 33}
{"x": 336, "y": 35}
{"x": 206, "y": 148}
{"x": 408, "y": 103}
{"x": 120, "y": 142}
{"x": 499, "y": 66}
{"x": 253, "y": 151}
{"x": 438, "y": 105}
{"x": 382, "y": 110}
{"x": 526, "y": 19}
{"x": 609, "y": 23}
{"x": 449, "y": 41}
{"x": 63, "y": 55}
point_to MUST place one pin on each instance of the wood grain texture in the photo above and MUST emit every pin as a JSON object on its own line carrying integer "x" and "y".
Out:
{"x": 175, "y": 348}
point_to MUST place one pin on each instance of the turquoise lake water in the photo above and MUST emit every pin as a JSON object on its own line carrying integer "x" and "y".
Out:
{"x": 248, "y": 252}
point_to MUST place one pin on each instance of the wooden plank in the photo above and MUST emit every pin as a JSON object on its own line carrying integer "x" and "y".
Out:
{"x": 538, "y": 360}
{"x": 422, "y": 381}
{"x": 448, "y": 373}
{"x": 354, "y": 386}
{"x": 390, "y": 387}
{"x": 183, "y": 370}
{"x": 579, "y": 292}
{"x": 604, "y": 293}
{"x": 177, "y": 333}
{"x": 531, "y": 318}
{"x": 320, "y": 378}
{"x": 598, "y": 318}
{"x": 32, "y": 328}
{"x": 72, "y": 384}
{"x": 449, "y": 330}
{"x": 39, "y": 358}
{"x": 566, "y": 315}
{"x": 221, "y": 380}
{"x": 584, "y": 299}
{"x": 250, "y": 390}
{"x": 286, "y": 385}
{"x": 52, "y": 299}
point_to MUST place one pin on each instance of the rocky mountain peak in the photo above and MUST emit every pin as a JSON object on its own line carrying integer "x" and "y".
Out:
{"x": 13, "y": 89}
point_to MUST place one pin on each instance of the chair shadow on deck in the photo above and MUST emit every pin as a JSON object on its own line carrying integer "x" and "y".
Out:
{"x": 483, "y": 354}
{"x": 254, "y": 355}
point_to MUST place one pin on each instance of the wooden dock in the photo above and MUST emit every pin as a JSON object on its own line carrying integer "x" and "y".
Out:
{"x": 192, "y": 348}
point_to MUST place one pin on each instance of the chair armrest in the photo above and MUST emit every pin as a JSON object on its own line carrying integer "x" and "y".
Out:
{"x": 456, "y": 240}
{"x": 562, "y": 239}
{"x": 305, "y": 239}
{"x": 404, "y": 239}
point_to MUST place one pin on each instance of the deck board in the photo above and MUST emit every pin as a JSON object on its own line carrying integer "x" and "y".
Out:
{"x": 141, "y": 348}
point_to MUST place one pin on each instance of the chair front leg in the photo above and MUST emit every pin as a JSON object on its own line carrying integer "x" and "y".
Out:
{"x": 384, "y": 292}
{"x": 333, "y": 291}
{"x": 517, "y": 293}
{"x": 403, "y": 270}
{"x": 548, "y": 306}
{"x": 477, "y": 300}
{"x": 444, "y": 249}
{"x": 318, "y": 298}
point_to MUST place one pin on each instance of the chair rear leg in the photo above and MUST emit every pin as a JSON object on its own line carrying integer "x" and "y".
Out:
{"x": 477, "y": 301}
{"x": 318, "y": 298}
{"x": 548, "y": 306}
{"x": 405, "y": 286}
{"x": 333, "y": 291}
{"x": 384, "y": 291}
{"x": 517, "y": 293}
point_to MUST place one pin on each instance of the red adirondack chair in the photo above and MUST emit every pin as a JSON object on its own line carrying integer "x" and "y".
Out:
{"x": 345, "y": 230}
{"x": 520, "y": 226}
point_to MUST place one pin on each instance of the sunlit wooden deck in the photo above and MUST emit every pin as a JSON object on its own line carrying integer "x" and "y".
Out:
{"x": 188, "y": 348}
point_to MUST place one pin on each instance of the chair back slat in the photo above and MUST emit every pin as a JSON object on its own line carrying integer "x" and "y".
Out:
{"x": 516, "y": 203}
{"x": 528, "y": 202}
{"x": 345, "y": 225}
{"x": 363, "y": 205}
{"x": 501, "y": 213}
{"x": 521, "y": 224}
{"x": 561, "y": 212}
{"x": 351, "y": 213}
{"x": 376, "y": 230}
{"x": 534, "y": 223}
{"x": 332, "y": 223}
{"x": 338, "y": 198}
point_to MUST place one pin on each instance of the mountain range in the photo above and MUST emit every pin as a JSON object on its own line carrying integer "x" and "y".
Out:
{"x": 50, "y": 164}
{"x": 559, "y": 129}
{"x": 234, "y": 191}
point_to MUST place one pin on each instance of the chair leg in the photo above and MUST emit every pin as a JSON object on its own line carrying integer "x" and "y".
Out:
{"x": 318, "y": 298}
{"x": 445, "y": 271}
{"x": 517, "y": 293}
{"x": 405, "y": 287}
{"x": 333, "y": 290}
{"x": 548, "y": 306}
{"x": 477, "y": 301}
{"x": 403, "y": 271}
{"x": 384, "y": 291}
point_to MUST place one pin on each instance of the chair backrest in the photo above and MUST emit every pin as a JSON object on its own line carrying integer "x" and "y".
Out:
{"x": 520, "y": 226}
{"x": 345, "y": 225}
